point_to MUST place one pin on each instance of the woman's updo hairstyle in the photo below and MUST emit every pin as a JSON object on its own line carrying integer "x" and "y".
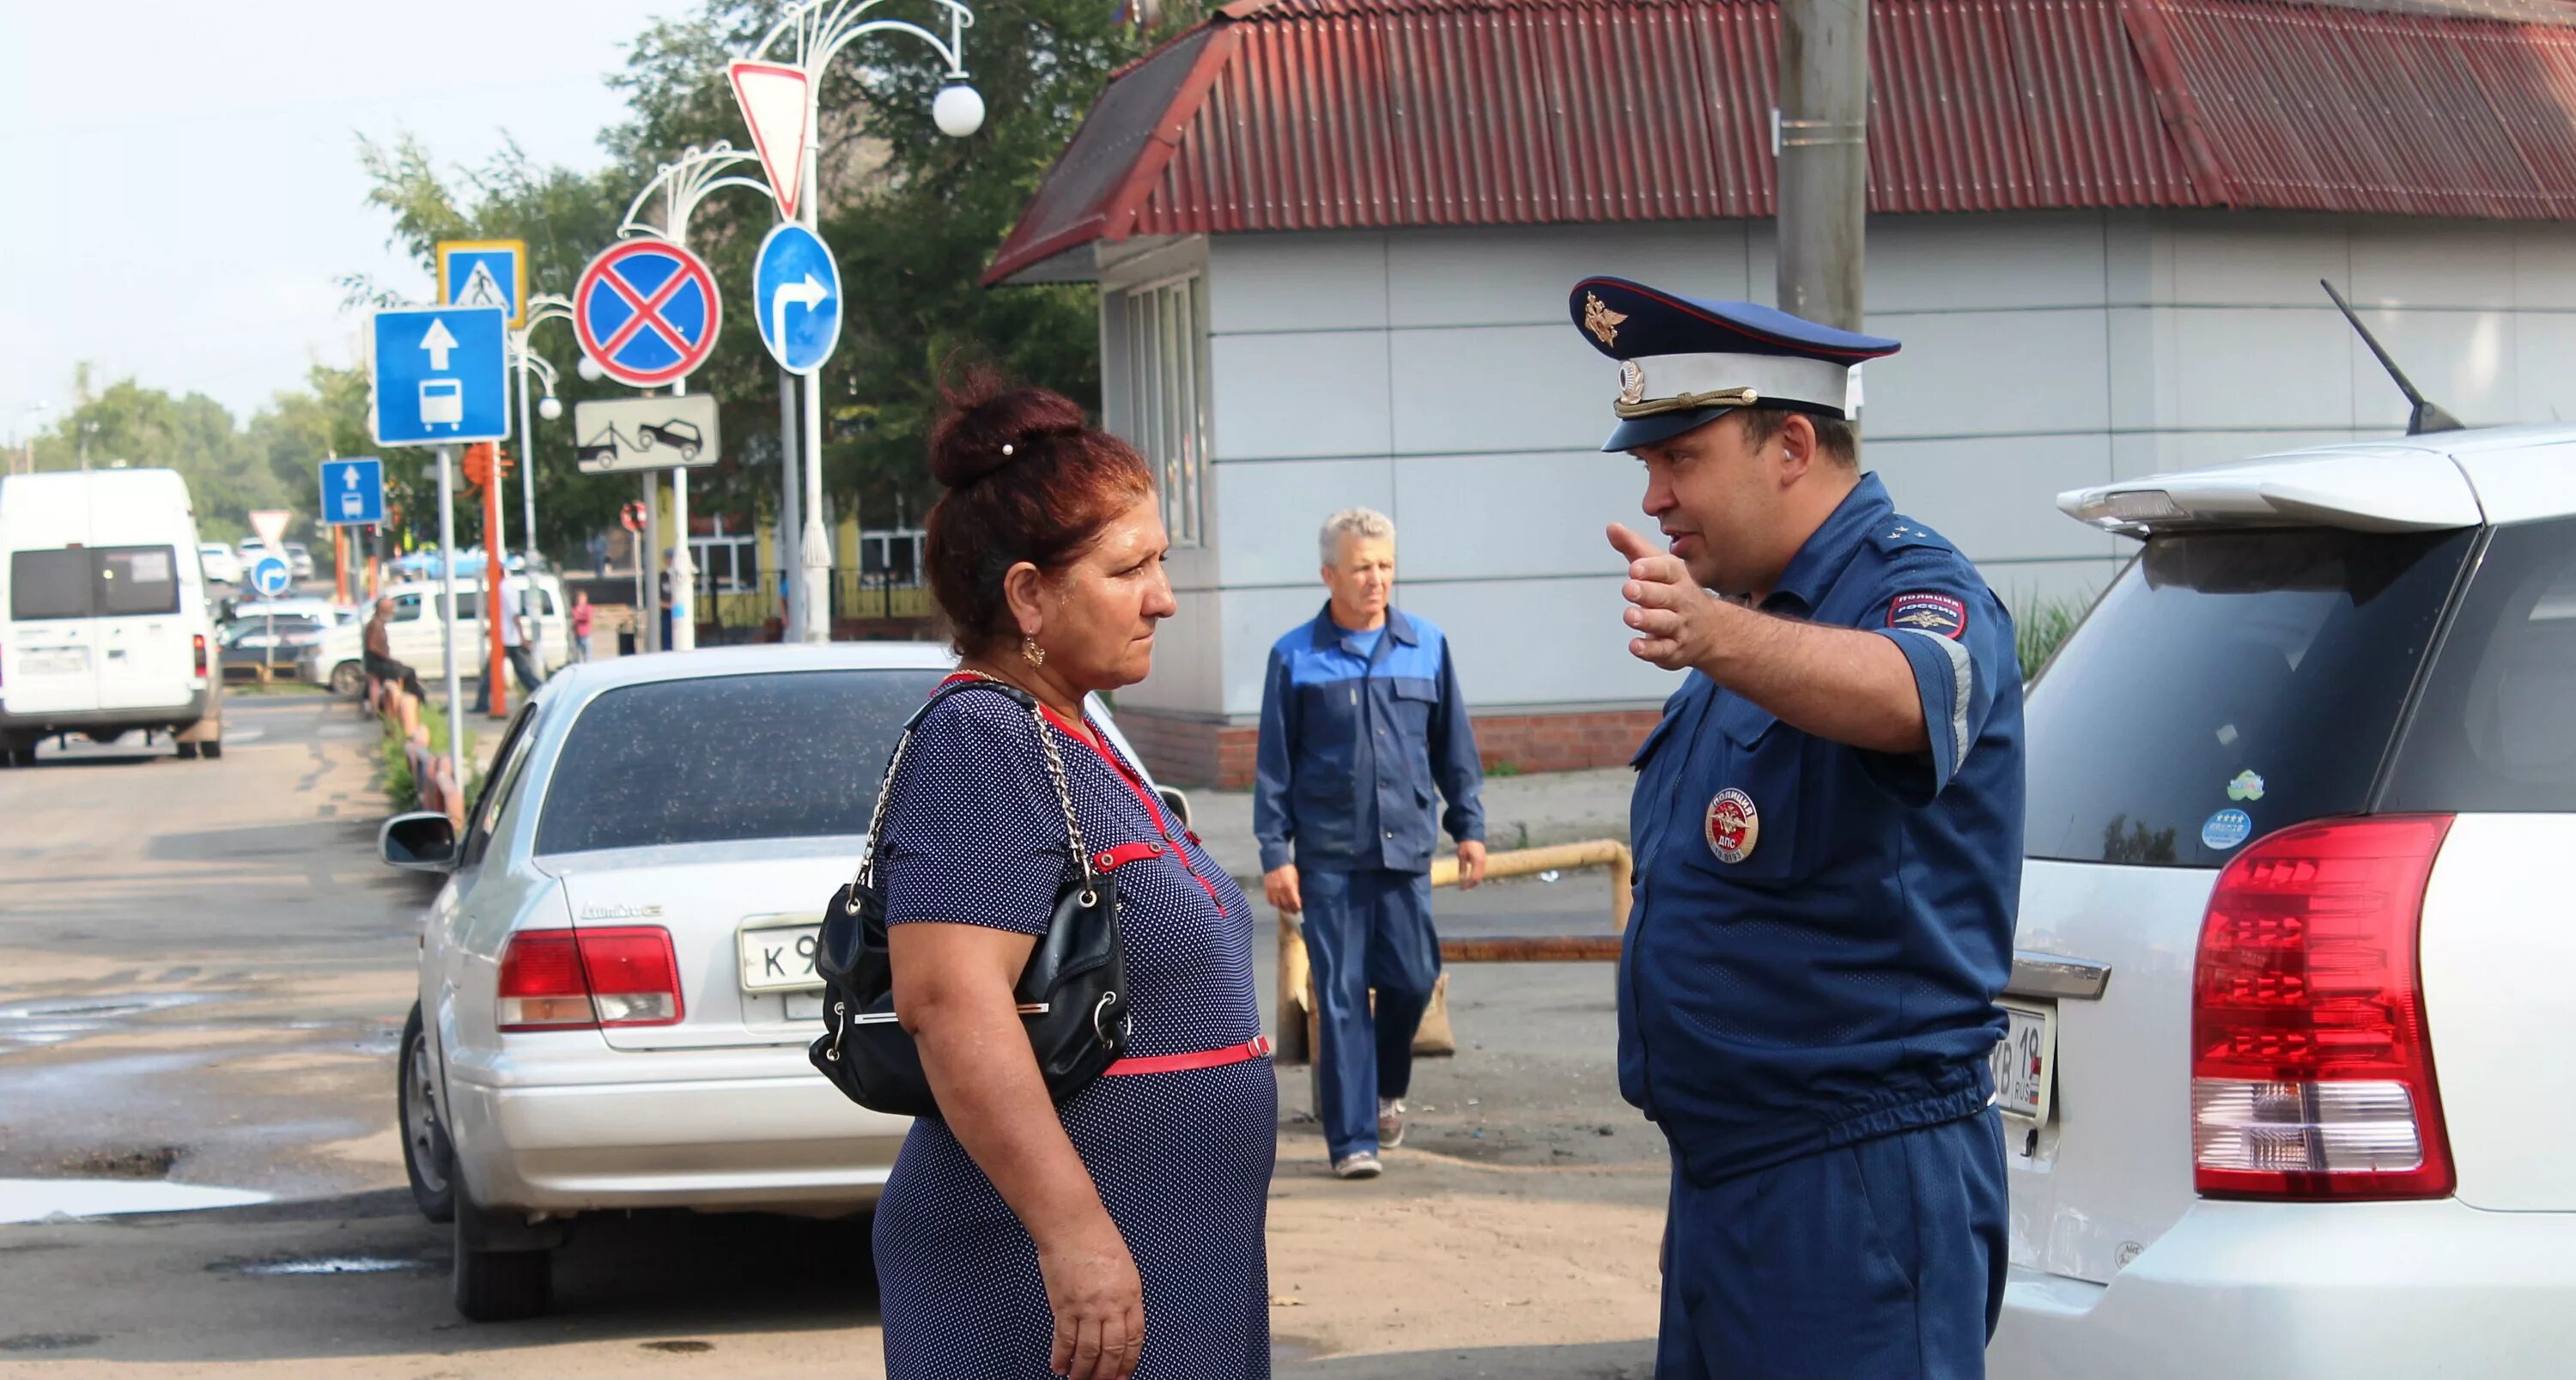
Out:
{"x": 1024, "y": 479}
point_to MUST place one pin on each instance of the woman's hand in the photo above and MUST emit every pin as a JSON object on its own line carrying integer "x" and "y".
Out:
{"x": 1099, "y": 1303}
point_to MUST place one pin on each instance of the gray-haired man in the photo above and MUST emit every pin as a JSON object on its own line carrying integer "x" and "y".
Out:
{"x": 1361, "y": 717}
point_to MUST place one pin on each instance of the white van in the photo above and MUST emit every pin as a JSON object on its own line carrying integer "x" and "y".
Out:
{"x": 106, "y": 628}
{"x": 417, "y": 636}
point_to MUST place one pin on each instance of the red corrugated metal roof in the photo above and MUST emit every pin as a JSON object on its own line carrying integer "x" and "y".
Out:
{"x": 1348, "y": 114}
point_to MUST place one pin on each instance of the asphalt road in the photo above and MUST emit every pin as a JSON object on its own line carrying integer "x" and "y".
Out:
{"x": 203, "y": 971}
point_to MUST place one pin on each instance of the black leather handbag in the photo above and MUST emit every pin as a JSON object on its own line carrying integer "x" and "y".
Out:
{"x": 1072, "y": 995}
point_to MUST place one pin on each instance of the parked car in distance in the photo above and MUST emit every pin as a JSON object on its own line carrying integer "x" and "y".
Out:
{"x": 107, "y": 629}
{"x": 299, "y": 559}
{"x": 286, "y": 644}
{"x": 219, "y": 563}
{"x": 417, "y": 635}
{"x": 616, "y": 982}
{"x": 2286, "y": 1086}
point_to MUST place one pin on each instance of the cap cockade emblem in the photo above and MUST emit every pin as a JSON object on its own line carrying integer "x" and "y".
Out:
{"x": 1600, "y": 320}
{"x": 1632, "y": 381}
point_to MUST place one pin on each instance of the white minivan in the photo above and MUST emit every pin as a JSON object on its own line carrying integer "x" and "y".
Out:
{"x": 417, "y": 636}
{"x": 107, "y": 630}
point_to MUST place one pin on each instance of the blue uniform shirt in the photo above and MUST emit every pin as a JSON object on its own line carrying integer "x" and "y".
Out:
{"x": 1821, "y": 930}
{"x": 1357, "y": 730}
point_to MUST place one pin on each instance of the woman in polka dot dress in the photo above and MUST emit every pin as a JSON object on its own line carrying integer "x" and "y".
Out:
{"x": 1122, "y": 1232}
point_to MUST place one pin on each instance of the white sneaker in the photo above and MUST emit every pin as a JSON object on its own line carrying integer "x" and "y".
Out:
{"x": 1359, "y": 1164}
{"x": 1390, "y": 1122}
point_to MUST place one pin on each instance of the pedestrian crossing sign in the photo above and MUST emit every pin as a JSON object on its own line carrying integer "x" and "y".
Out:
{"x": 485, "y": 273}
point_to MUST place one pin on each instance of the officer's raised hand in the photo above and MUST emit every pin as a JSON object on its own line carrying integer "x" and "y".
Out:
{"x": 1679, "y": 621}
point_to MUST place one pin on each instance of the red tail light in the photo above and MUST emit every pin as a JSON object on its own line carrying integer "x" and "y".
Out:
{"x": 576, "y": 979}
{"x": 2312, "y": 1074}
{"x": 201, "y": 654}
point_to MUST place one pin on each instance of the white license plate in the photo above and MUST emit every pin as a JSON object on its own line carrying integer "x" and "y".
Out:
{"x": 2025, "y": 1063}
{"x": 780, "y": 958}
{"x": 66, "y": 661}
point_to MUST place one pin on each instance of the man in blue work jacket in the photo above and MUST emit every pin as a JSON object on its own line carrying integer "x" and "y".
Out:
{"x": 1827, "y": 830}
{"x": 1361, "y": 718}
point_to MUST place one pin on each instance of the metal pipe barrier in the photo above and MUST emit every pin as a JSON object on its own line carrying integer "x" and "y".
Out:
{"x": 1297, "y": 1009}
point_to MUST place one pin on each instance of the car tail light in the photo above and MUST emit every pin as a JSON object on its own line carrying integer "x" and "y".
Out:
{"x": 201, "y": 654}
{"x": 575, "y": 979}
{"x": 2312, "y": 1074}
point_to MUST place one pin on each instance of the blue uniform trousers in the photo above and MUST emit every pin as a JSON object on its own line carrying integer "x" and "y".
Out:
{"x": 1879, "y": 1260}
{"x": 1363, "y": 930}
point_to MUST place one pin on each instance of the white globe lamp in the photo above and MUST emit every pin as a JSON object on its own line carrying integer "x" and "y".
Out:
{"x": 588, "y": 368}
{"x": 958, "y": 110}
{"x": 550, "y": 407}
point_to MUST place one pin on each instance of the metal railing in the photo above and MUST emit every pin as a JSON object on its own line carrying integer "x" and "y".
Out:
{"x": 1297, "y": 1010}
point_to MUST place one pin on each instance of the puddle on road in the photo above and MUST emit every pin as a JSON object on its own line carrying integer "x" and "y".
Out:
{"x": 107, "y": 1007}
{"x": 289, "y": 1266}
{"x": 47, "y": 1341}
{"x": 36, "y": 1200}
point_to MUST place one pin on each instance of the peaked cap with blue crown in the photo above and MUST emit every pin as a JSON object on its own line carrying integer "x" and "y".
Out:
{"x": 1685, "y": 362}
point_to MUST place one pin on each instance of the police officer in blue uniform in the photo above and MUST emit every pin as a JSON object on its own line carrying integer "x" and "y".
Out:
{"x": 1827, "y": 829}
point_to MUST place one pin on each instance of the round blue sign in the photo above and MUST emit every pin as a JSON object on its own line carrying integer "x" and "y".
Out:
{"x": 271, "y": 575}
{"x": 796, "y": 293}
{"x": 2225, "y": 830}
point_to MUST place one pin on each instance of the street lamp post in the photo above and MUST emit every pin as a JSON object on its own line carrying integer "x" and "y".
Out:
{"x": 808, "y": 38}
{"x": 684, "y": 182}
{"x": 543, "y": 307}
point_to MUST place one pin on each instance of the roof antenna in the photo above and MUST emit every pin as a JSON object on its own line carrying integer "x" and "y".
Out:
{"x": 2428, "y": 415}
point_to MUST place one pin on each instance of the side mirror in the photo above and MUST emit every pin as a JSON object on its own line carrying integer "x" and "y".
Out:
{"x": 1176, "y": 802}
{"x": 422, "y": 841}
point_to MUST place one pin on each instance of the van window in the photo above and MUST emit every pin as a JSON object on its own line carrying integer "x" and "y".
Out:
{"x": 48, "y": 584}
{"x": 2494, "y": 731}
{"x": 136, "y": 579}
{"x": 93, "y": 582}
{"x": 777, "y": 756}
{"x": 2254, "y": 672}
{"x": 406, "y": 609}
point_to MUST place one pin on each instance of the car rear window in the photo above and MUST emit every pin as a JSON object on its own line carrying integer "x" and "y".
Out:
{"x": 2495, "y": 729}
{"x": 2228, "y": 685}
{"x": 137, "y": 579}
{"x": 793, "y": 754}
{"x": 93, "y": 582}
{"x": 48, "y": 584}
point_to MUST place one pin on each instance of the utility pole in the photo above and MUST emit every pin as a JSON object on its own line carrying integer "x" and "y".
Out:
{"x": 1821, "y": 140}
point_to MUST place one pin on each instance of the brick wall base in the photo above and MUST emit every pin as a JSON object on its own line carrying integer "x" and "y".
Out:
{"x": 1185, "y": 751}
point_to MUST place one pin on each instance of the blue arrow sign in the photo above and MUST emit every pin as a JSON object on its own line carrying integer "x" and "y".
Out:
{"x": 353, "y": 491}
{"x": 271, "y": 575}
{"x": 796, "y": 290}
{"x": 439, "y": 376}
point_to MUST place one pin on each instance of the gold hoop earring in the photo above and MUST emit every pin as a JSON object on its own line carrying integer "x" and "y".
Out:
{"x": 1031, "y": 652}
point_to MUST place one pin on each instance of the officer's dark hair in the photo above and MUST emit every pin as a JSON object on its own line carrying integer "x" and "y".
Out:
{"x": 1834, "y": 436}
{"x": 1026, "y": 478}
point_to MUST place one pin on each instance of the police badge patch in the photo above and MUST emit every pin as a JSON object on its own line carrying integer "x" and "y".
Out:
{"x": 1939, "y": 614}
{"x": 1733, "y": 825}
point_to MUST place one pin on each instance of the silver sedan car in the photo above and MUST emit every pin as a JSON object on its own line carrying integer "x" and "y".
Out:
{"x": 617, "y": 981}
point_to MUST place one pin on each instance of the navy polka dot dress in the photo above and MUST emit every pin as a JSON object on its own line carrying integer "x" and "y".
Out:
{"x": 1182, "y": 1160}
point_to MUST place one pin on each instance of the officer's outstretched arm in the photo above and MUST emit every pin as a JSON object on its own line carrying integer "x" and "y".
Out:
{"x": 1840, "y": 683}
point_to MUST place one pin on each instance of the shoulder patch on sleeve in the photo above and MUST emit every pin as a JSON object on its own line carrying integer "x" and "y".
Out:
{"x": 1943, "y": 615}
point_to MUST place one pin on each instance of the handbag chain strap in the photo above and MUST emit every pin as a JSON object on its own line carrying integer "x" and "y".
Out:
{"x": 867, "y": 874}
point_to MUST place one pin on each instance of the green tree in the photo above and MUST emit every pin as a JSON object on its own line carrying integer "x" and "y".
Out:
{"x": 128, "y": 423}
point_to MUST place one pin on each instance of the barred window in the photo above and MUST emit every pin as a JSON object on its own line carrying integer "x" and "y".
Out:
{"x": 1167, "y": 395}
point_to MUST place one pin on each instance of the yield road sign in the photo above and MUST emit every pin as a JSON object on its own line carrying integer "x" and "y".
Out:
{"x": 271, "y": 575}
{"x": 485, "y": 273}
{"x": 438, "y": 376}
{"x": 796, "y": 291}
{"x": 614, "y": 434}
{"x": 776, "y": 103}
{"x": 646, "y": 311}
{"x": 353, "y": 491}
{"x": 269, "y": 525}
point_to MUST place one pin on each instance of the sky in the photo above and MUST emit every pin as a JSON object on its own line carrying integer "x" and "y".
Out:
{"x": 179, "y": 179}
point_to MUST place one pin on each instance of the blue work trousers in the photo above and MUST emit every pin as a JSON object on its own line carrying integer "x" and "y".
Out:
{"x": 1366, "y": 930}
{"x": 1879, "y": 1260}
